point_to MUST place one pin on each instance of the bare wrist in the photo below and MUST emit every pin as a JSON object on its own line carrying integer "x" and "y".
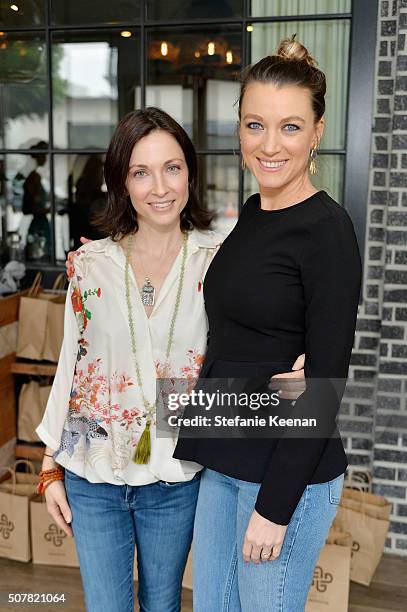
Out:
{"x": 48, "y": 461}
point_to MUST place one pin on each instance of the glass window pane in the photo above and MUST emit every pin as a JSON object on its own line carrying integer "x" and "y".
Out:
{"x": 25, "y": 207}
{"x": 88, "y": 11}
{"x": 328, "y": 43}
{"x": 80, "y": 195}
{"x": 275, "y": 8}
{"x": 95, "y": 82}
{"x": 193, "y": 9}
{"x": 219, "y": 188}
{"x": 21, "y": 13}
{"x": 193, "y": 76}
{"x": 23, "y": 90}
{"x": 329, "y": 177}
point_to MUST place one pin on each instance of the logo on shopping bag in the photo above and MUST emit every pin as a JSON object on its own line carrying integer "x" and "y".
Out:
{"x": 321, "y": 579}
{"x": 355, "y": 548}
{"x": 6, "y": 526}
{"x": 55, "y": 535}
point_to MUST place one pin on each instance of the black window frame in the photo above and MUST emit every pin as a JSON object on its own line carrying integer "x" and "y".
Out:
{"x": 359, "y": 119}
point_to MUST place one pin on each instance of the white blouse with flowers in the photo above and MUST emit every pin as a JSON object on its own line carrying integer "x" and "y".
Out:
{"x": 95, "y": 414}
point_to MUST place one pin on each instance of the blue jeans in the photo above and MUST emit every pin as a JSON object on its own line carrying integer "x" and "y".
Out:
{"x": 223, "y": 582}
{"x": 108, "y": 521}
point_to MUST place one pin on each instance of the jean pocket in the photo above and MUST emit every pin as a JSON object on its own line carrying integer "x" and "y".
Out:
{"x": 335, "y": 489}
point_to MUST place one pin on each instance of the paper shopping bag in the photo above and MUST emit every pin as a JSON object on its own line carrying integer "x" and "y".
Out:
{"x": 14, "y": 518}
{"x": 32, "y": 322}
{"x": 20, "y": 483}
{"x": 40, "y": 323}
{"x": 330, "y": 585}
{"x": 366, "y": 517}
{"x": 50, "y": 544}
{"x": 32, "y": 402}
{"x": 375, "y": 506}
{"x": 55, "y": 321}
{"x": 30, "y": 477}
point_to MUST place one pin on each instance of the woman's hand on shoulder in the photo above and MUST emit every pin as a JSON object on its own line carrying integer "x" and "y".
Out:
{"x": 70, "y": 258}
{"x": 263, "y": 539}
{"x": 290, "y": 385}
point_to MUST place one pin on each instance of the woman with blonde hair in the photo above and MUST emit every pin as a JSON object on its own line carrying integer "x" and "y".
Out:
{"x": 285, "y": 281}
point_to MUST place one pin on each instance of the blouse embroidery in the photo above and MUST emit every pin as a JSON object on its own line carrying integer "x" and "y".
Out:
{"x": 95, "y": 415}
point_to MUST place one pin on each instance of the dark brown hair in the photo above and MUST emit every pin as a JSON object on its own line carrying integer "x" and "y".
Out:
{"x": 120, "y": 217}
{"x": 291, "y": 64}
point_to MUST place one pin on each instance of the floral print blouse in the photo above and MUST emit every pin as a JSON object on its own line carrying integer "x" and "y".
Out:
{"x": 95, "y": 414}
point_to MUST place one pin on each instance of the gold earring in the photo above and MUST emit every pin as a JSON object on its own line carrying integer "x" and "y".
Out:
{"x": 313, "y": 164}
{"x": 243, "y": 164}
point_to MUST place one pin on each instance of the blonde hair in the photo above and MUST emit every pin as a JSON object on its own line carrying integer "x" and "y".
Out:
{"x": 292, "y": 49}
{"x": 290, "y": 64}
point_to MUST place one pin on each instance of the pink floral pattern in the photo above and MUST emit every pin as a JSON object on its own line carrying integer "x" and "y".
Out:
{"x": 181, "y": 380}
{"x": 92, "y": 392}
{"x": 105, "y": 403}
{"x": 190, "y": 371}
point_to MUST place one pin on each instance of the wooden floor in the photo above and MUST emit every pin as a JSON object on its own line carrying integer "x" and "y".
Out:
{"x": 388, "y": 591}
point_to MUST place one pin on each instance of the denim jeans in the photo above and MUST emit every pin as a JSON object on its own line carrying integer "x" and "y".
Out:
{"x": 223, "y": 582}
{"x": 108, "y": 521}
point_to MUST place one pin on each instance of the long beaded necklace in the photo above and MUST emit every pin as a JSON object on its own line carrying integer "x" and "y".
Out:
{"x": 143, "y": 450}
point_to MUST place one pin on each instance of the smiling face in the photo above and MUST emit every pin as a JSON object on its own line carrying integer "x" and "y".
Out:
{"x": 157, "y": 180}
{"x": 277, "y": 131}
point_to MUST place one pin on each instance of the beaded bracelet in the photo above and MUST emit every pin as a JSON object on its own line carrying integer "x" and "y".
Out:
{"x": 48, "y": 476}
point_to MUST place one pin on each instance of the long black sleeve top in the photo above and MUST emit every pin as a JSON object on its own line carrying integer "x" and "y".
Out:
{"x": 284, "y": 282}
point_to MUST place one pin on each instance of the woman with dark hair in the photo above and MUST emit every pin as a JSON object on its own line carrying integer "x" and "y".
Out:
{"x": 129, "y": 297}
{"x": 286, "y": 281}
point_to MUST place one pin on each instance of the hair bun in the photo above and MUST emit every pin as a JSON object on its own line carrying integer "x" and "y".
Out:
{"x": 291, "y": 49}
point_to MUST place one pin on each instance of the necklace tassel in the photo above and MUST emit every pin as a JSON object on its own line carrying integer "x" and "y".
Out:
{"x": 143, "y": 450}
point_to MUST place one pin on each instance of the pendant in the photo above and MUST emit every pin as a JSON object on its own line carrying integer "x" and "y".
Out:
{"x": 147, "y": 293}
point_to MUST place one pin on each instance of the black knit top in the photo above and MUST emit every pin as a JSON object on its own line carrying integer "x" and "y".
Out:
{"x": 284, "y": 282}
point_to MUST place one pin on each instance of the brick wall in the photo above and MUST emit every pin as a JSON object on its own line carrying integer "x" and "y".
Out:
{"x": 376, "y": 423}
